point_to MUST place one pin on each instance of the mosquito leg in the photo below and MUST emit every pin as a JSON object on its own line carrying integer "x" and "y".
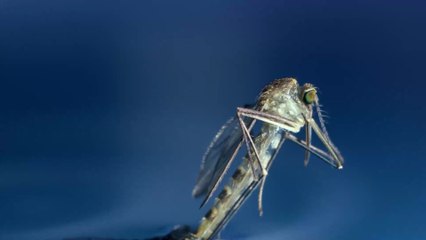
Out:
{"x": 316, "y": 151}
{"x": 308, "y": 136}
{"x": 214, "y": 185}
{"x": 260, "y": 196}
{"x": 282, "y": 122}
{"x": 308, "y": 132}
{"x": 265, "y": 117}
{"x": 335, "y": 158}
{"x": 327, "y": 143}
{"x": 251, "y": 148}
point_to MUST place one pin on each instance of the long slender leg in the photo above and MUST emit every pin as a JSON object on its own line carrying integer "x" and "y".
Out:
{"x": 318, "y": 152}
{"x": 282, "y": 122}
{"x": 334, "y": 158}
{"x": 228, "y": 164}
{"x": 265, "y": 117}
{"x": 308, "y": 133}
{"x": 251, "y": 148}
{"x": 260, "y": 196}
{"x": 269, "y": 118}
{"x": 262, "y": 185}
{"x": 323, "y": 136}
{"x": 308, "y": 136}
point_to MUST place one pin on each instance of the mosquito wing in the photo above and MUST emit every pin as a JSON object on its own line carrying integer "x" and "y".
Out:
{"x": 218, "y": 157}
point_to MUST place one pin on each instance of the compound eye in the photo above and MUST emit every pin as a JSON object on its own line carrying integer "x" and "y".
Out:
{"x": 310, "y": 96}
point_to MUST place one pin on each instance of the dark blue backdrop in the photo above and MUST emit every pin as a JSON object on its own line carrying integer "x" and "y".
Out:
{"x": 106, "y": 108}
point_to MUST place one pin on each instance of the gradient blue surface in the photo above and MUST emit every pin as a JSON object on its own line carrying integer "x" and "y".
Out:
{"x": 106, "y": 108}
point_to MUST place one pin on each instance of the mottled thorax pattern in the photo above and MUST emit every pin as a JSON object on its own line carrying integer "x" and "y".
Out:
{"x": 281, "y": 98}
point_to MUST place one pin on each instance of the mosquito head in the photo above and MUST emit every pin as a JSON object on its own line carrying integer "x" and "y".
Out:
{"x": 308, "y": 94}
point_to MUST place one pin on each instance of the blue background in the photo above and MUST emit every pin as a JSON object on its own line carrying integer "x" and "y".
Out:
{"x": 106, "y": 108}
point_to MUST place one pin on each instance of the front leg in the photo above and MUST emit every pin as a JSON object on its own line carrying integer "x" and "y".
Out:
{"x": 284, "y": 123}
{"x": 254, "y": 161}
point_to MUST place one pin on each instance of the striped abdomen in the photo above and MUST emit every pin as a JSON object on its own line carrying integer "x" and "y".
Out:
{"x": 240, "y": 186}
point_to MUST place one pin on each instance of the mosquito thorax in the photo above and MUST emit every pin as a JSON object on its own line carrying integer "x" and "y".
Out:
{"x": 282, "y": 98}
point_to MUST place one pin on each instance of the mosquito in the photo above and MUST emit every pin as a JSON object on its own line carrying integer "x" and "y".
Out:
{"x": 283, "y": 108}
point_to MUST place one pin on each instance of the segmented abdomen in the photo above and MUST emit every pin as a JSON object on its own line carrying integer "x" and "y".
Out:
{"x": 241, "y": 185}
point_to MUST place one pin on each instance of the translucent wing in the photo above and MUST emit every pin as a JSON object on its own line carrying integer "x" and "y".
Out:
{"x": 218, "y": 157}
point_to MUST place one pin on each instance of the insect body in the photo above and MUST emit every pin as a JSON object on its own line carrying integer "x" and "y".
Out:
{"x": 283, "y": 108}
